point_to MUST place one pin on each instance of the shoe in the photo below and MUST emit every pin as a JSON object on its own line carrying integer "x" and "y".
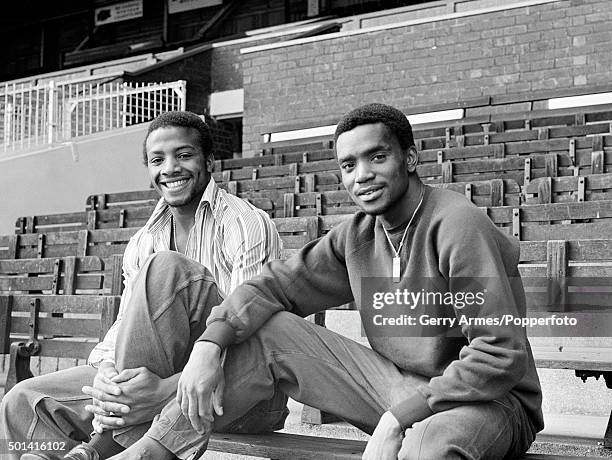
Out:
{"x": 81, "y": 452}
{"x": 38, "y": 455}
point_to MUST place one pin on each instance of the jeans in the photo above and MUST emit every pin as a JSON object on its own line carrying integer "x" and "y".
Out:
{"x": 172, "y": 297}
{"x": 287, "y": 356}
{"x": 323, "y": 369}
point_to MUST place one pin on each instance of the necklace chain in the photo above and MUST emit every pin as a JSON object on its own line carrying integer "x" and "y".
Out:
{"x": 396, "y": 259}
{"x": 174, "y": 236}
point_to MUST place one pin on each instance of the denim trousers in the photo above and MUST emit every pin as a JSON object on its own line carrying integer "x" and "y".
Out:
{"x": 287, "y": 356}
{"x": 171, "y": 299}
{"x": 294, "y": 357}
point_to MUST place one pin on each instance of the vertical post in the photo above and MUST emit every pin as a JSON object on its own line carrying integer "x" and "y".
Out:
{"x": 8, "y": 118}
{"x": 116, "y": 275}
{"x": 6, "y": 303}
{"x": 556, "y": 274}
{"x": 124, "y": 105}
{"x": 289, "y": 205}
{"x": 37, "y": 117}
{"x": 51, "y": 112}
{"x": 313, "y": 8}
{"x": 29, "y": 115}
{"x": 183, "y": 94}
{"x": 22, "y": 116}
{"x": 165, "y": 24}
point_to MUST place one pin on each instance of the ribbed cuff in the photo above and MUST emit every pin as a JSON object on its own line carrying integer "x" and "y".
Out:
{"x": 219, "y": 332}
{"x": 411, "y": 410}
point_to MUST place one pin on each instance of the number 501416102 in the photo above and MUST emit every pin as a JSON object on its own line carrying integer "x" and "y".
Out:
{"x": 35, "y": 445}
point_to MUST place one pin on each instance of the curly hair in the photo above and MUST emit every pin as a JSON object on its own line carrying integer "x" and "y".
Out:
{"x": 367, "y": 114}
{"x": 182, "y": 120}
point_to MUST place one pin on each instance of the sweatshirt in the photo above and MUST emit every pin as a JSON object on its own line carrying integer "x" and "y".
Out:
{"x": 451, "y": 247}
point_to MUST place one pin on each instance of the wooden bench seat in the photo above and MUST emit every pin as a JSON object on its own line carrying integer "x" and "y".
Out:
{"x": 569, "y": 189}
{"x": 287, "y": 446}
{"x": 63, "y": 275}
{"x": 303, "y": 154}
{"x": 291, "y": 169}
{"x": 284, "y": 446}
{"x": 495, "y": 192}
{"x": 41, "y": 314}
{"x": 538, "y": 222}
{"x": 51, "y": 326}
{"x": 588, "y": 220}
{"x": 565, "y": 156}
{"x": 522, "y": 125}
{"x": 106, "y": 212}
{"x": 591, "y": 358}
{"x": 576, "y": 116}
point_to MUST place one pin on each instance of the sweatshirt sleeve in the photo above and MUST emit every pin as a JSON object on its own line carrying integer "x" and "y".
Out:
{"x": 496, "y": 356}
{"x": 313, "y": 280}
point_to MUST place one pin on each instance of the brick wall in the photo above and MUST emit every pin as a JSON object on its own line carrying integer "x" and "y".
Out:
{"x": 195, "y": 69}
{"x": 223, "y": 136}
{"x": 211, "y": 70}
{"x": 557, "y": 45}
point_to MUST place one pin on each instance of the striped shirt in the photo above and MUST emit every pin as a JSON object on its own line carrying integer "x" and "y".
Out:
{"x": 230, "y": 237}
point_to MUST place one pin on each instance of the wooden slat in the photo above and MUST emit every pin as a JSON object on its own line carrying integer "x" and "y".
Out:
{"x": 287, "y": 446}
{"x": 79, "y": 333}
{"x": 73, "y": 327}
{"x": 554, "y": 212}
{"x": 569, "y": 231}
{"x": 46, "y": 283}
{"x": 116, "y": 276}
{"x": 148, "y": 197}
{"x": 556, "y": 273}
{"x": 87, "y": 304}
{"x": 36, "y": 266}
{"x": 6, "y": 308}
{"x": 109, "y": 313}
{"x": 63, "y": 347}
{"x": 573, "y": 358}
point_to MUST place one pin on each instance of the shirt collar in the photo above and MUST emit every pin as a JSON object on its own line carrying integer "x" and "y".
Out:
{"x": 162, "y": 215}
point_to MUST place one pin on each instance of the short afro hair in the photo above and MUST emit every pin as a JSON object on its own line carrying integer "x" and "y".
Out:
{"x": 182, "y": 120}
{"x": 373, "y": 113}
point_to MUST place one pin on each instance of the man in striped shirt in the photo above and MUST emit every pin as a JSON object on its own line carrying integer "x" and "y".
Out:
{"x": 200, "y": 240}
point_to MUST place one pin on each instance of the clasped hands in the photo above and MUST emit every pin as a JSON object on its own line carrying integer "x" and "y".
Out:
{"x": 126, "y": 398}
{"x": 135, "y": 396}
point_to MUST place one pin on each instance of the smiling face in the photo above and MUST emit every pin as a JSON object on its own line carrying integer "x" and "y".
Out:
{"x": 375, "y": 170}
{"x": 178, "y": 168}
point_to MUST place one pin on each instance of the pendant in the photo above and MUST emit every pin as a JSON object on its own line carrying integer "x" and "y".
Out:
{"x": 396, "y": 269}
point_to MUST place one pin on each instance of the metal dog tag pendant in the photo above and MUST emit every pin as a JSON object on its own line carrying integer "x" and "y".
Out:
{"x": 396, "y": 269}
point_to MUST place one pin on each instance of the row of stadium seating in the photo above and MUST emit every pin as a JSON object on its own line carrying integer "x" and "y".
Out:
{"x": 60, "y": 274}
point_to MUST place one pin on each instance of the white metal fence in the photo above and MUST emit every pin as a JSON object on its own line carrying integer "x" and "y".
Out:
{"x": 55, "y": 112}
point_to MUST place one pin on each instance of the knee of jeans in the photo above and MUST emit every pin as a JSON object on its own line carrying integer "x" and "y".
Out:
{"x": 280, "y": 325}
{"x": 470, "y": 431}
{"x": 16, "y": 400}
{"x": 166, "y": 263}
{"x": 165, "y": 260}
{"x": 423, "y": 442}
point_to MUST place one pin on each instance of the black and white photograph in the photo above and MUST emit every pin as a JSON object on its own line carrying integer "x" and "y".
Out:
{"x": 306, "y": 229}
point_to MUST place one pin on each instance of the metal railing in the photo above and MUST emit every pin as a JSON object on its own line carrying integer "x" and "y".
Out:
{"x": 37, "y": 115}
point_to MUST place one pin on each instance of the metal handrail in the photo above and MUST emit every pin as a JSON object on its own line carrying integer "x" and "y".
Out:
{"x": 43, "y": 114}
